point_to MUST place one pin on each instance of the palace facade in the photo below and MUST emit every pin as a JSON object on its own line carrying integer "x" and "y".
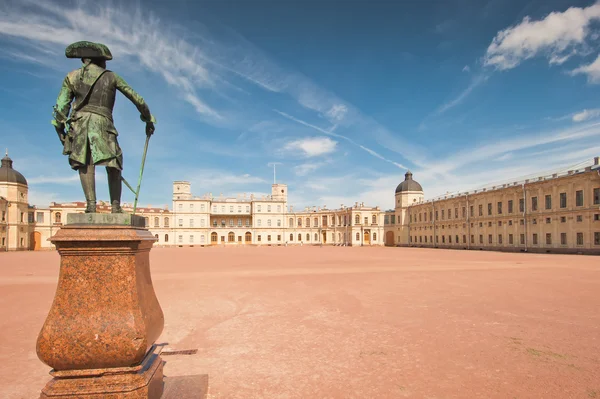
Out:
{"x": 197, "y": 220}
{"x": 555, "y": 213}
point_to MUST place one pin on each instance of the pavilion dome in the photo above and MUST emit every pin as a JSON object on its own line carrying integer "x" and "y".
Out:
{"x": 408, "y": 184}
{"x": 8, "y": 174}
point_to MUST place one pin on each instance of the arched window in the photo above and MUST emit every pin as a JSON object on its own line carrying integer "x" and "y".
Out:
{"x": 214, "y": 237}
{"x": 291, "y": 237}
{"x": 374, "y": 219}
{"x": 375, "y": 237}
{"x": 156, "y": 236}
{"x": 166, "y": 222}
{"x": 57, "y": 217}
{"x": 357, "y": 236}
{"x": 316, "y": 222}
{"x": 147, "y": 222}
{"x": 307, "y": 237}
{"x": 307, "y": 222}
{"x": 166, "y": 238}
{"x": 357, "y": 219}
{"x": 156, "y": 222}
{"x": 248, "y": 236}
{"x": 299, "y": 222}
{"x": 231, "y": 236}
{"x": 299, "y": 237}
{"x": 291, "y": 222}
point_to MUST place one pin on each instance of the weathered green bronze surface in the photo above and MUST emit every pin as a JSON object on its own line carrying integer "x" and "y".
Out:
{"x": 87, "y": 131}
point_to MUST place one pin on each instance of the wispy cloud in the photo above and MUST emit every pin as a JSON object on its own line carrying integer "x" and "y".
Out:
{"x": 54, "y": 179}
{"x": 466, "y": 69}
{"x": 200, "y": 106}
{"x": 130, "y": 34}
{"x": 42, "y": 198}
{"x": 475, "y": 82}
{"x": 307, "y": 168}
{"x": 498, "y": 148}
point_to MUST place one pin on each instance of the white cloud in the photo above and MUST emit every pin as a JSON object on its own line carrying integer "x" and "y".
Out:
{"x": 586, "y": 114}
{"x": 558, "y": 36}
{"x": 592, "y": 71}
{"x": 331, "y": 133}
{"x": 466, "y": 68}
{"x": 54, "y": 179}
{"x": 312, "y": 146}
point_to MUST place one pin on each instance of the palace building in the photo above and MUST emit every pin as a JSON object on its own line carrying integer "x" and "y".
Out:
{"x": 559, "y": 212}
{"x": 555, "y": 213}
{"x": 197, "y": 221}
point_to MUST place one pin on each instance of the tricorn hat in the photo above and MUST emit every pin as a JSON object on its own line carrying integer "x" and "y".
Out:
{"x": 88, "y": 50}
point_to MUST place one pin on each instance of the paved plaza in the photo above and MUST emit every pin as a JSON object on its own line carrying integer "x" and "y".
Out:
{"x": 353, "y": 322}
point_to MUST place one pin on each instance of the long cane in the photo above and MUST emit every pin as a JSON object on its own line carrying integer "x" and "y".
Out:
{"x": 137, "y": 192}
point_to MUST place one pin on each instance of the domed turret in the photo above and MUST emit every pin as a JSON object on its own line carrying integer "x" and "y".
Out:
{"x": 8, "y": 174}
{"x": 408, "y": 184}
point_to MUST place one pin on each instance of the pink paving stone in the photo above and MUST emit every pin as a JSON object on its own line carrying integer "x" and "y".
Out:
{"x": 334, "y": 322}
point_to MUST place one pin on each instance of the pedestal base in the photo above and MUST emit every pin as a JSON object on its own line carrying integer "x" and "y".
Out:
{"x": 140, "y": 382}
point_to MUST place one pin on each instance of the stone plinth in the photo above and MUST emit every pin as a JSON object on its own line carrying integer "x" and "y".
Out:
{"x": 105, "y": 219}
{"x": 105, "y": 316}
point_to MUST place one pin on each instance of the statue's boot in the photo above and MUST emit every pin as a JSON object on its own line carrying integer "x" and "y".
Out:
{"x": 87, "y": 175}
{"x": 114, "y": 189}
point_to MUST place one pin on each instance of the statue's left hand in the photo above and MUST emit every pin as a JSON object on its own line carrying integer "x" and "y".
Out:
{"x": 149, "y": 129}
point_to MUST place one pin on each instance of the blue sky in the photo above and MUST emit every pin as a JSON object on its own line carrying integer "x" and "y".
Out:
{"x": 345, "y": 95}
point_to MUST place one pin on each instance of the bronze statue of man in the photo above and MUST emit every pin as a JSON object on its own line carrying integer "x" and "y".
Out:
{"x": 88, "y": 134}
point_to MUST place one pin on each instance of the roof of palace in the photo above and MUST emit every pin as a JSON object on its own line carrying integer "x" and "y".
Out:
{"x": 8, "y": 174}
{"x": 408, "y": 184}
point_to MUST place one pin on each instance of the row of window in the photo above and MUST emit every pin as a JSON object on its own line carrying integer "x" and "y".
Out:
{"x": 316, "y": 237}
{"x": 231, "y": 208}
{"x": 548, "y": 220}
{"x": 563, "y": 203}
{"x": 231, "y": 237}
{"x": 534, "y": 238}
{"x": 22, "y": 220}
{"x": 325, "y": 219}
{"x": 22, "y": 241}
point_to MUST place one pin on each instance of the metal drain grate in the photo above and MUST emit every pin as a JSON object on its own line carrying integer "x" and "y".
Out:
{"x": 181, "y": 352}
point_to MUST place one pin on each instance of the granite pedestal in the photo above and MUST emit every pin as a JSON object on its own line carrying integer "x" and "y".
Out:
{"x": 100, "y": 332}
